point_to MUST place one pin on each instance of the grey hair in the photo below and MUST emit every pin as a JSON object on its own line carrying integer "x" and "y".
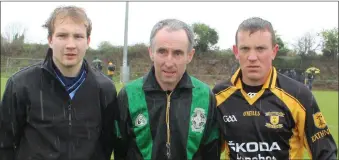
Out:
{"x": 173, "y": 25}
{"x": 255, "y": 24}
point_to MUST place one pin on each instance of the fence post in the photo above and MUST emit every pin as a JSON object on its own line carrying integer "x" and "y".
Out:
{"x": 7, "y": 65}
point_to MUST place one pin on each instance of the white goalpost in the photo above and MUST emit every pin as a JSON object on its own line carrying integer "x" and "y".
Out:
{"x": 13, "y": 65}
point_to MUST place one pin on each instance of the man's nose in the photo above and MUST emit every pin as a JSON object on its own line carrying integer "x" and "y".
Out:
{"x": 252, "y": 56}
{"x": 169, "y": 61}
{"x": 70, "y": 43}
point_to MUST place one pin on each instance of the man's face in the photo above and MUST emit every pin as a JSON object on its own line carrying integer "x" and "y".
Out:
{"x": 69, "y": 43}
{"x": 255, "y": 53}
{"x": 170, "y": 55}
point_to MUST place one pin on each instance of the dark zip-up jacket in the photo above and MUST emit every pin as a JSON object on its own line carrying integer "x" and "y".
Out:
{"x": 179, "y": 118}
{"x": 278, "y": 122}
{"x": 39, "y": 121}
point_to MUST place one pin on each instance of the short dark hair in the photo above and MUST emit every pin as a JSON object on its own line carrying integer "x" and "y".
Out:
{"x": 255, "y": 24}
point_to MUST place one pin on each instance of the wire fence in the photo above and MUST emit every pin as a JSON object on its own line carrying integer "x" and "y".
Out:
{"x": 10, "y": 65}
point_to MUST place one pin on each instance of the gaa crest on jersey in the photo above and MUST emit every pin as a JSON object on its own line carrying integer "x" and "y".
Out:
{"x": 274, "y": 118}
{"x": 198, "y": 120}
{"x": 140, "y": 121}
{"x": 319, "y": 120}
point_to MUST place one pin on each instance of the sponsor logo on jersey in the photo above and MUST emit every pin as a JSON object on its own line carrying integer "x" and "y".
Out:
{"x": 254, "y": 147}
{"x": 320, "y": 135}
{"x": 251, "y": 94}
{"x": 251, "y": 113}
{"x": 198, "y": 120}
{"x": 140, "y": 121}
{"x": 274, "y": 119}
{"x": 229, "y": 118}
{"x": 319, "y": 120}
{"x": 258, "y": 157}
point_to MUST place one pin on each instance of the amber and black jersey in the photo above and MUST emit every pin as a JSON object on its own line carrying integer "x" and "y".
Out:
{"x": 277, "y": 122}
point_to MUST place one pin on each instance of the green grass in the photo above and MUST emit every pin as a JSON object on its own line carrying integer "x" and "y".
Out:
{"x": 3, "y": 85}
{"x": 327, "y": 101}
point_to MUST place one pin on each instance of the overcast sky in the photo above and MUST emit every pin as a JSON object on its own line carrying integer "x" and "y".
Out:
{"x": 290, "y": 19}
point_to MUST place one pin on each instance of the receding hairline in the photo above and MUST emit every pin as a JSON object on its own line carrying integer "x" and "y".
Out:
{"x": 173, "y": 25}
{"x": 169, "y": 30}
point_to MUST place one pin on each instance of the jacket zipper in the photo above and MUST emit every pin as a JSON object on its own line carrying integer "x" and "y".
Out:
{"x": 168, "y": 143}
{"x": 69, "y": 101}
{"x": 69, "y": 128}
{"x": 69, "y": 115}
{"x": 69, "y": 109}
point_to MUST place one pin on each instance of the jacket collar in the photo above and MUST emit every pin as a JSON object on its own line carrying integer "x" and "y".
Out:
{"x": 269, "y": 83}
{"x": 48, "y": 63}
{"x": 151, "y": 84}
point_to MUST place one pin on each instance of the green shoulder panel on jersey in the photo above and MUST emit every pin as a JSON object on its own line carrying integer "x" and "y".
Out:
{"x": 140, "y": 119}
{"x": 199, "y": 112}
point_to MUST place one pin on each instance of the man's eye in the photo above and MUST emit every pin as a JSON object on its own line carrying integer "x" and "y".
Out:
{"x": 161, "y": 51}
{"x": 260, "y": 49}
{"x": 177, "y": 53}
{"x": 78, "y": 36}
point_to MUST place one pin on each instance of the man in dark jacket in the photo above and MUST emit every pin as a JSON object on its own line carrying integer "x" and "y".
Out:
{"x": 59, "y": 109}
{"x": 168, "y": 114}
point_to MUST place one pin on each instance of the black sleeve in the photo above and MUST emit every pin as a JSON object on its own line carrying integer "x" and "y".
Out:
{"x": 211, "y": 142}
{"x": 219, "y": 118}
{"x": 119, "y": 150}
{"x": 124, "y": 122}
{"x": 221, "y": 86}
{"x": 128, "y": 147}
{"x": 318, "y": 138}
{"x": 12, "y": 121}
{"x": 109, "y": 138}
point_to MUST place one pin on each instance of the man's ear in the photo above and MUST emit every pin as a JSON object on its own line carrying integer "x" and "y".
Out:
{"x": 275, "y": 51}
{"x": 236, "y": 51}
{"x": 190, "y": 55}
{"x": 50, "y": 42}
{"x": 88, "y": 41}
{"x": 150, "y": 52}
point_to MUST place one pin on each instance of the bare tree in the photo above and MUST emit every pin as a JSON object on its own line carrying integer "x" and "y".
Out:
{"x": 3, "y": 41}
{"x": 14, "y": 31}
{"x": 306, "y": 44}
{"x": 12, "y": 40}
